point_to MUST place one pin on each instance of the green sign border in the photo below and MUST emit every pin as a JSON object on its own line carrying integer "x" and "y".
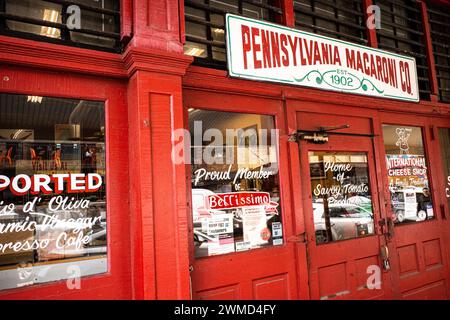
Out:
{"x": 246, "y": 76}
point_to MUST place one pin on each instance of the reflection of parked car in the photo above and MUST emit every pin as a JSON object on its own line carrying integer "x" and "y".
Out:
{"x": 346, "y": 220}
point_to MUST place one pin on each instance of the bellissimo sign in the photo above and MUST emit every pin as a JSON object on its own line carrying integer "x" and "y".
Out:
{"x": 264, "y": 51}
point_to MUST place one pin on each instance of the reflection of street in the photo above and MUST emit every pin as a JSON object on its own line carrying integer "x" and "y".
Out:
{"x": 341, "y": 196}
{"x": 346, "y": 220}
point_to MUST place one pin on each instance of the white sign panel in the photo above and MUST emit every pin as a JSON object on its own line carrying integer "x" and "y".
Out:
{"x": 264, "y": 51}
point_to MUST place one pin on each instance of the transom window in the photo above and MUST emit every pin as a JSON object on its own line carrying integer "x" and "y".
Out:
{"x": 205, "y": 25}
{"x": 402, "y": 32}
{"x": 440, "y": 36}
{"x": 83, "y": 23}
{"x": 342, "y": 19}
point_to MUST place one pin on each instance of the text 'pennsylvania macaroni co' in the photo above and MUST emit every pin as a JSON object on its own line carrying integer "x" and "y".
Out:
{"x": 263, "y": 51}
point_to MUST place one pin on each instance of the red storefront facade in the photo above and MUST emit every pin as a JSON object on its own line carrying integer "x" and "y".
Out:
{"x": 148, "y": 90}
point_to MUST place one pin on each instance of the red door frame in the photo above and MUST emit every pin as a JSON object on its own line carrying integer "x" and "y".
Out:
{"x": 339, "y": 250}
{"x": 436, "y": 147}
{"x": 300, "y": 172}
{"x": 441, "y": 181}
{"x": 204, "y": 278}
{"x": 406, "y": 289}
{"x": 116, "y": 283}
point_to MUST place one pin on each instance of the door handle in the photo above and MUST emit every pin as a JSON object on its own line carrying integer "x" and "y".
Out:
{"x": 384, "y": 253}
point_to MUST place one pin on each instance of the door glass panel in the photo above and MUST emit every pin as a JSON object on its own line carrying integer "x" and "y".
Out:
{"x": 407, "y": 174}
{"x": 341, "y": 197}
{"x": 444, "y": 138}
{"x": 235, "y": 182}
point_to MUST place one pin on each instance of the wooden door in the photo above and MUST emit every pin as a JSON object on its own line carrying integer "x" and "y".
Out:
{"x": 243, "y": 271}
{"x": 342, "y": 209}
{"x": 413, "y": 164}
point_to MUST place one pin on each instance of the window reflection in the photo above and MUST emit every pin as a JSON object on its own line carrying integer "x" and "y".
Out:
{"x": 342, "y": 202}
{"x": 52, "y": 189}
{"x": 407, "y": 174}
{"x": 205, "y": 24}
{"x": 99, "y": 20}
{"x": 235, "y": 186}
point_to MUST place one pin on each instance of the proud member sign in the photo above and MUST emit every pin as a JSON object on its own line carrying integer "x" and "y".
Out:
{"x": 264, "y": 51}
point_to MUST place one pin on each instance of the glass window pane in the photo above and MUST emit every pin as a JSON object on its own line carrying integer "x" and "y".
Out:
{"x": 341, "y": 197}
{"x": 331, "y": 19}
{"x": 444, "y": 139}
{"x": 235, "y": 182}
{"x": 88, "y": 14}
{"x": 52, "y": 189}
{"x": 407, "y": 174}
{"x": 36, "y": 10}
{"x": 205, "y": 25}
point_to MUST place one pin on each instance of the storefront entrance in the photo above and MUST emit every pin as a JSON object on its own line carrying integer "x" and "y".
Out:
{"x": 241, "y": 218}
{"x": 374, "y": 218}
{"x": 346, "y": 229}
{"x": 354, "y": 206}
{"x": 413, "y": 149}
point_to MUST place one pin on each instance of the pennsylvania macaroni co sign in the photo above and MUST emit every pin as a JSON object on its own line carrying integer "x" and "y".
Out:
{"x": 265, "y": 51}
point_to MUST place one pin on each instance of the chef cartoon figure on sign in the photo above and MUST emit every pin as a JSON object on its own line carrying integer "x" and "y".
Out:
{"x": 402, "y": 142}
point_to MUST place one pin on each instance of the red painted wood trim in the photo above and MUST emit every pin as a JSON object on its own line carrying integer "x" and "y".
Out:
{"x": 371, "y": 33}
{"x": 59, "y": 57}
{"x": 297, "y": 203}
{"x": 31, "y": 53}
{"x": 155, "y": 61}
{"x": 182, "y": 22}
{"x": 288, "y": 13}
{"x": 126, "y": 20}
{"x": 205, "y": 79}
{"x": 434, "y": 87}
{"x": 441, "y": 2}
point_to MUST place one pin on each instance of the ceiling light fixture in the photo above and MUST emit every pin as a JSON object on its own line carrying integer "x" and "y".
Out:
{"x": 218, "y": 30}
{"x": 194, "y": 51}
{"x": 34, "y": 99}
{"x": 51, "y": 16}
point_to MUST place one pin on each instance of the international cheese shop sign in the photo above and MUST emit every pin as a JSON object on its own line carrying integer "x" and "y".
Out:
{"x": 264, "y": 51}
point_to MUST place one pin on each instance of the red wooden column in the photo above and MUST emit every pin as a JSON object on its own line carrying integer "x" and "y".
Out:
{"x": 288, "y": 13}
{"x": 434, "y": 87}
{"x": 371, "y": 33}
{"x": 158, "y": 206}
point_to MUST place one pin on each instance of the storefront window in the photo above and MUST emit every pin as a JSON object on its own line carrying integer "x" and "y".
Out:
{"x": 205, "y": 25}
{"x": 407, "y": 174}
{"x": 235, "y": 182}
{"x": 444, "y": 139}
{"x": 52, "y": 189}
{"x": 341, "y": 198}
{"x": 341, "y": 19}
{"x": 85, "y": 22}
